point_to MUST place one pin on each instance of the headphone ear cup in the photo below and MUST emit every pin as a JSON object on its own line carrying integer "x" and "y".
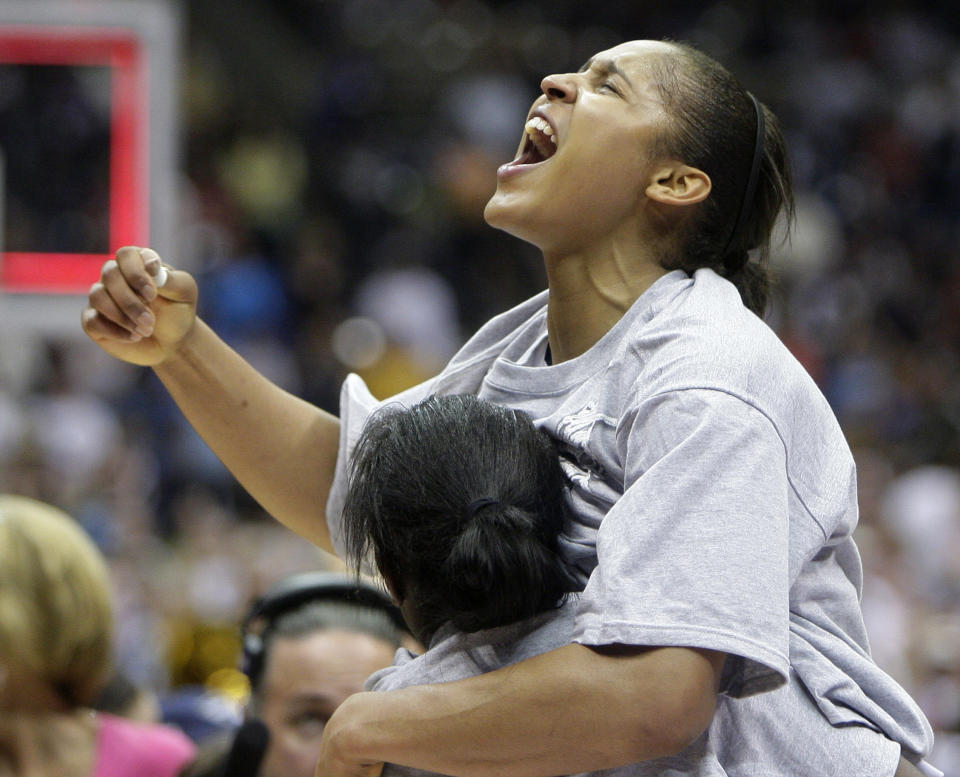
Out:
{"x": 252, "y": 657}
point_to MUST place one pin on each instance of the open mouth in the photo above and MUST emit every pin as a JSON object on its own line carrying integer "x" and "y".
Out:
{"x": 540, "y": 143}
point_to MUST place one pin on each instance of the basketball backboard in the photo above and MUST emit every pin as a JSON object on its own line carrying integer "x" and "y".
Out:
{"x": 88, "y": 148}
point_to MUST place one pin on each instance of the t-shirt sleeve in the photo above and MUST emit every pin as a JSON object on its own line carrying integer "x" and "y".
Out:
{"x": 695, "y": 553}
{"x": 356, "y": 406}
{"x": 463, "y": 375}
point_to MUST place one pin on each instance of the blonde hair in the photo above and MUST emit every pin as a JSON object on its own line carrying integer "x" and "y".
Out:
{"x": 56, "y": 608}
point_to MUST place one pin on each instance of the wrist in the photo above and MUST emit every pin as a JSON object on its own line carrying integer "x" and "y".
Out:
{"x": 351, "y": 733}
{"x": 188, "y": 352}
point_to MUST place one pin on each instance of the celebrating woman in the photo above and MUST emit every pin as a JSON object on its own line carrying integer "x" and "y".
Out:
{"x": 713, "y": 496}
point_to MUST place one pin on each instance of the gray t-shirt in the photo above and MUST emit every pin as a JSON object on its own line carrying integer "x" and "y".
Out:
{"x": 714, "y": 498}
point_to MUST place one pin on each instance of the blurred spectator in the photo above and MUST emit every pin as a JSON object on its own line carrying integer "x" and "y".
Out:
{"x": 921, "y": 511}
{"x": 309, "y": 643}
{"x": 56, "y": 627}
{"x": 203, "y": 714}
{"x": 120, "y": 696}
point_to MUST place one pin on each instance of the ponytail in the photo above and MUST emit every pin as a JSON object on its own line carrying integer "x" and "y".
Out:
{"x": 753, "y": 281}
{"x": 719, "y": 127}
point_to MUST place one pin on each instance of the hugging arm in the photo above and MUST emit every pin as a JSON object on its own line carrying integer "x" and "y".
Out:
{"x": 570, "y": 710}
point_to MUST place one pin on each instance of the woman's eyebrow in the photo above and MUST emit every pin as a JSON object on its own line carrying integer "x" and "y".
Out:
{"x": 606, "y": 66}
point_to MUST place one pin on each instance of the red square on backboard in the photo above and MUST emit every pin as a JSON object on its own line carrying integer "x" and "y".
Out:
{"x": 119, "y": 54}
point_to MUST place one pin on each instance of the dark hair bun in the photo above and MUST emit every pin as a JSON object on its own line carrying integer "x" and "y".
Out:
{"x": 500, "y": 567}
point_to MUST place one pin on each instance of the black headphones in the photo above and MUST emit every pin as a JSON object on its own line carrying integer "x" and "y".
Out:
{"x": 293, "y": 591}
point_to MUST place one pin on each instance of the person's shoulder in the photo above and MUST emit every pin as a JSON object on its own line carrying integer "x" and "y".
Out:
{"x": 405, "y": 664}
{"x": 521, "y": 311}
{"x": 515, "y": 328}
{"x": 711, "y": 308}
{"x": 504, "y": 326}
{"x": 706, "y": 338}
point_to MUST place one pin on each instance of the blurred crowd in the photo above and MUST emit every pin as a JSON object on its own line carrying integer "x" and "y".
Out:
{"x": 336, "y": 159}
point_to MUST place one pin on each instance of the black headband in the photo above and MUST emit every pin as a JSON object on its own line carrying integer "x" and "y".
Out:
{"x": 748, "y": 193}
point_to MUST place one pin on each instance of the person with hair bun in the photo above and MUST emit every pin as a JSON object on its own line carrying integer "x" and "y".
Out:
{"x": 713, "y": 496}
{"x": 460, "y": 503}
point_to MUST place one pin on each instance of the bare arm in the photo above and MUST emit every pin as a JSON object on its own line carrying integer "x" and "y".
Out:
{"x": 282, "y": 450}
{"x": 570, "y": 710}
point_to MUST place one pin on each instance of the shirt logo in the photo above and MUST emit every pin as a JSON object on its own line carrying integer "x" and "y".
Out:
{"x": 574, "y": 432}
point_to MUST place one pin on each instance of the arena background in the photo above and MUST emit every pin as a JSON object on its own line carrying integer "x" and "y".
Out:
{"x": 327, "y": 168}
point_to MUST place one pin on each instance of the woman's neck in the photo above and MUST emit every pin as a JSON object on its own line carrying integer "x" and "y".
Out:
{"x": 589, "y": 294}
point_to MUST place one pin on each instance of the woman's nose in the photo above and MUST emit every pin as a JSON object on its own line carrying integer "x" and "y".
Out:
{"x": 560, "y": 87}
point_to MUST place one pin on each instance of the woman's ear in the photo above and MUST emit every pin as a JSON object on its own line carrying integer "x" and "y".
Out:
{"x": 679, "y": 184}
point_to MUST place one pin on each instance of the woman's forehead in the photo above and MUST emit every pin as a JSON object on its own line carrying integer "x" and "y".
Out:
{"x": 633, "y": 60}
{"x": 634, "y": 53}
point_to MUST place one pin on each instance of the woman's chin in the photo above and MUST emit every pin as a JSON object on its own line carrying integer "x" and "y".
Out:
{"x": 503, "y": 212}
{"x": 492, "y": 211}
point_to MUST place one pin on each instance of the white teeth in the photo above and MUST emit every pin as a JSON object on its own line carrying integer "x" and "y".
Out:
{"x": 537, "y": 124}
